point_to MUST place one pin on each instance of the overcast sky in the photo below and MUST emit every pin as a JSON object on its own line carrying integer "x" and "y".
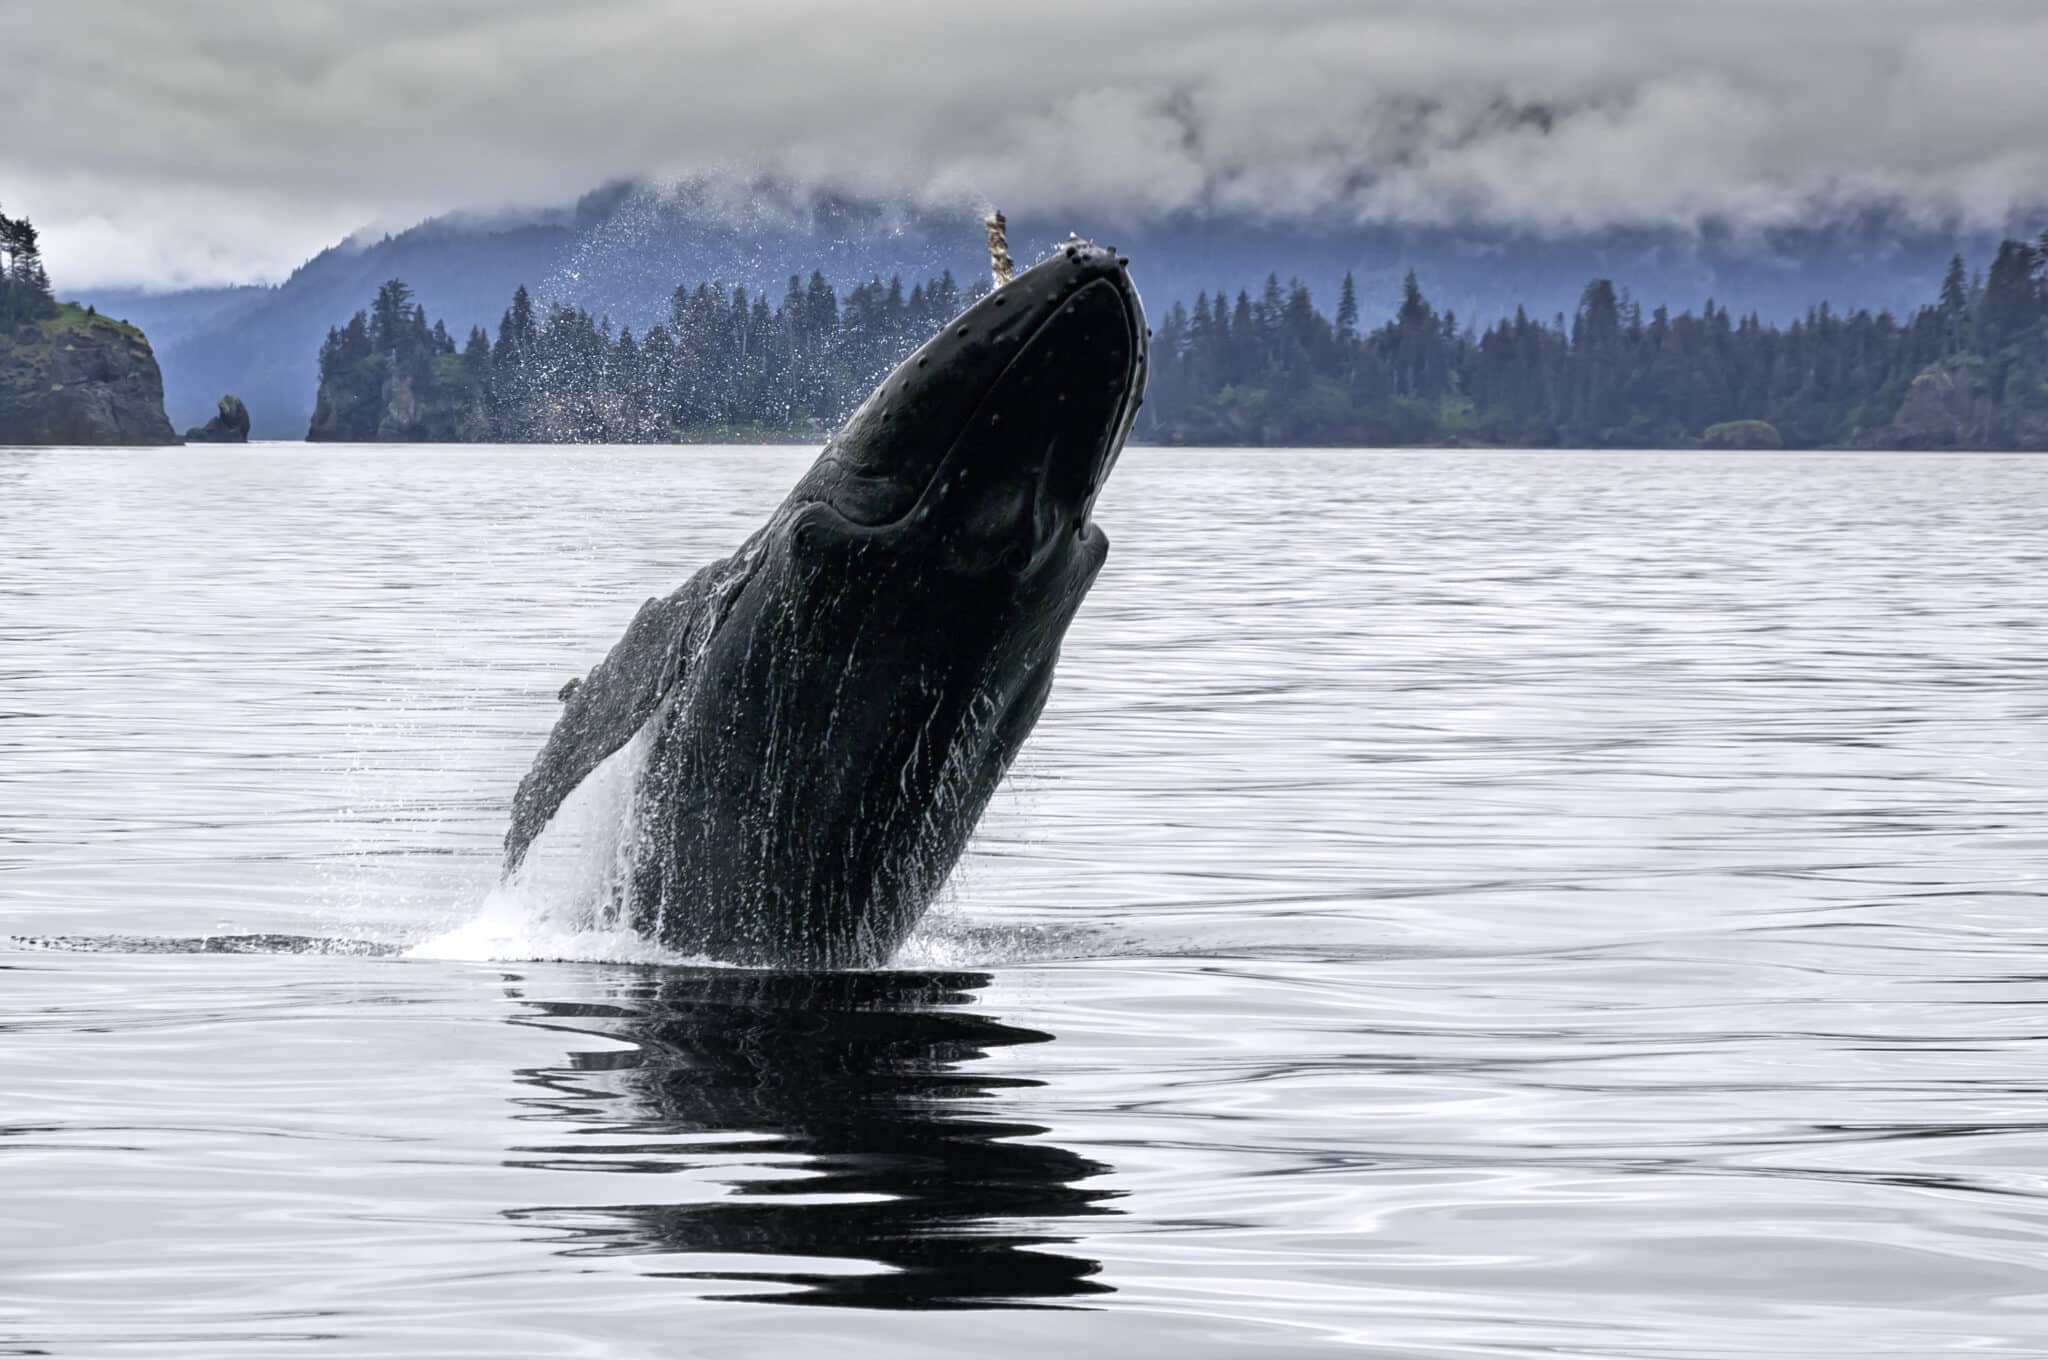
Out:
{"x": 198, "y": 141}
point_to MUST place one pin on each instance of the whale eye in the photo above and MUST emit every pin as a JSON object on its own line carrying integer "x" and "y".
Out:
{"x": 963, "y": 332}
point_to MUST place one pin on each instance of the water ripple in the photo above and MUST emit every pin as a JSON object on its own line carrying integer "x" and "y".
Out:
{"x": 1455, "y": 905}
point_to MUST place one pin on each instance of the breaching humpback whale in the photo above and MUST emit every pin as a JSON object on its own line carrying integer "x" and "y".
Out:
{"x": 828, "y": 709}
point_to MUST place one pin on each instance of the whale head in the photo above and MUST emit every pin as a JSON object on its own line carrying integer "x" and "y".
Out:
{"x": 986, "y": 448}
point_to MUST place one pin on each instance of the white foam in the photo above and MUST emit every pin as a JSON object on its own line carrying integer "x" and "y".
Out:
{"x": 566, "y": 901}
{"x": 513, "y": 926}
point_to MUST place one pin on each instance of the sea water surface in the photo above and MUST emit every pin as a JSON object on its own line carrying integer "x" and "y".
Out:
{"x": 1454, "y": 905}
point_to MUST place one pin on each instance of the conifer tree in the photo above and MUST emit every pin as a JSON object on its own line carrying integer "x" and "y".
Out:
{"x": 390, "y": 316}
{"x": 2011, "y": 303}
{"x": 1347, "y": 311}
{"x": 1955, "y": 305}
{"x": 25, "y": 293}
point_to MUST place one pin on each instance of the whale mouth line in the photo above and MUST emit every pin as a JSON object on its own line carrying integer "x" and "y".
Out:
{"x": 1099, "y": 464}
{"x": 1083, "y": 490}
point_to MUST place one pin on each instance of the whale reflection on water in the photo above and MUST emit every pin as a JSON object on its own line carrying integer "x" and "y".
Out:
{"x": 834, "y": 1139}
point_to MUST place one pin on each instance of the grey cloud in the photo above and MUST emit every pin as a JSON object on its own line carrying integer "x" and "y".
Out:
{"x": 177, "y": 141}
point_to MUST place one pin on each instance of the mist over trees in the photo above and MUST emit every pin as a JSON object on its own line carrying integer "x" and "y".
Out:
{"x": 24, "y": 285}
{"x": 1968, "y": 369}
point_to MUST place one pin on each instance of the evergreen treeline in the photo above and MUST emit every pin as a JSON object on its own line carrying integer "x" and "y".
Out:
{"x": 24, "y": 285}
{"x": 1969, "y": 370}
{"x": 726, "y": 363}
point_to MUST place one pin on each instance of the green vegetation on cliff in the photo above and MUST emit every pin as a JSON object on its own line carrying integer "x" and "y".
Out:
{"x": 75, "y": 377}
{"x": 67, "y": 374}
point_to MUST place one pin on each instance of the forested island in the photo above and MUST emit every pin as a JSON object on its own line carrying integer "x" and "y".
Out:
{"x": 1967, "y": 370}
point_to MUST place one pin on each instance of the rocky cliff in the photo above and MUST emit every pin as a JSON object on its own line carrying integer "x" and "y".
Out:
{"x": 378, "y": 402}
{"x": 80, "y": 378}
{"x": 1968, "y": 402}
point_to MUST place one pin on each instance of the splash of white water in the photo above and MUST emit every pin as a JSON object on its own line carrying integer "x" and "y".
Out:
{"x": 515, "y": 926}
{"x": 567, "y": 900}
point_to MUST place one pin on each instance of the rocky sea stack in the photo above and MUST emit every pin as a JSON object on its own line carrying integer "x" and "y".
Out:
{"x": 75, "y": 377}
{"x": 230, "y": 426}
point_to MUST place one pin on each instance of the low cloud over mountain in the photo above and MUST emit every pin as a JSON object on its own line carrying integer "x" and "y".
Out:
{"x": 197, "y": 141}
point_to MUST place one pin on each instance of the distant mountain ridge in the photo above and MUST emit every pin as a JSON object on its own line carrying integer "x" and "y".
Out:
{"x": 621, "y": 251}
{"x": 169, "y": 317}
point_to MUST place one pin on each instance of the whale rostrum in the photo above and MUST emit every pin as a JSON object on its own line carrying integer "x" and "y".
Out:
{"x": 828, "y": 710}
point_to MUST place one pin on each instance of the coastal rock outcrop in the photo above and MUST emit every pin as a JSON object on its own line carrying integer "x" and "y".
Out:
{"x": 1742, "y": 434}
{"x": 230, "y": 426}
{"x": 396, "y": 406}
{"x": 76, "y": 377}
{"x": 1948, "y": 406}
{"x": 1966, "y": 402}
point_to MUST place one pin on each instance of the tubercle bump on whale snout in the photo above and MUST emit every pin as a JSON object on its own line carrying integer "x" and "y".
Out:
{"x": 1069, "y": 268}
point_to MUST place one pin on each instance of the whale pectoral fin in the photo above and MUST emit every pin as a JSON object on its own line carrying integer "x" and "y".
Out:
{"x": 602, "y": 713}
